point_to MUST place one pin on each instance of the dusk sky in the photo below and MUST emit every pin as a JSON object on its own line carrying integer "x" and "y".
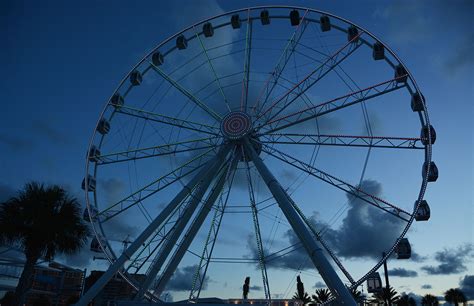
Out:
{"x": 62, "y": 61}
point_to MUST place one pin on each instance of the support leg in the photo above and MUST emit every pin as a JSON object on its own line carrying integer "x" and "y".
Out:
{"x": 127, "y": 254}
{"x": 312, "y": 246}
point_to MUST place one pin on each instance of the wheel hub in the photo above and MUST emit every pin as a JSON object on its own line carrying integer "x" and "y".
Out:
{"x": 236, "y": 125}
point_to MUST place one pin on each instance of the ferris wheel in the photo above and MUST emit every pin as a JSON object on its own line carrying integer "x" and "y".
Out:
{"x": 252, "y": 126}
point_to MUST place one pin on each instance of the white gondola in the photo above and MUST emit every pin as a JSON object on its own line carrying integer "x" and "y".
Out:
{"x": 85, "y": 215}
{"x": 181, "y": 42}
{"x": 295, "y": 17}
{"x": 403, "y": 249}
{"x": 400, "y": 74}
{"x": 378, "y": 51}
{"x": 424, "y": 212}
{"x": 157, "y": 58}
{"x": 94, "y": 154}
{"x": 265, "y": 17}
{"x": 425, "y": 131}
{"x": 433, "y": 171}
{"x": 417, "y": 102}
{"x": 235, "y": 21}
{"x": 90, "y": 183}
{"x": 352, "y": 33}
{"x": 374, "y": 283}
{"x": 103, "y": 127}
{"x": 208, "y": 29}
{"x": 117, "y": 100}
{"x": 136, "y": 78}
{"x": 95, "y": 246}
{"x": 325, "y": 23}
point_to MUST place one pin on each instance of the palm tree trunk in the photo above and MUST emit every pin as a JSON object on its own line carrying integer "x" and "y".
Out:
{"x": 25, "y": 281}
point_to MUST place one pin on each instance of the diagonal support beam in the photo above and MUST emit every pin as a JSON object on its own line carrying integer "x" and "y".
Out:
{"x": 118, "y": 264}
{"x": 194, "y": 228}
{"x": 312, "y": 246}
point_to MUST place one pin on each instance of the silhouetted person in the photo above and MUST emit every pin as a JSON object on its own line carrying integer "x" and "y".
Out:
{"x": 246, "y": 287}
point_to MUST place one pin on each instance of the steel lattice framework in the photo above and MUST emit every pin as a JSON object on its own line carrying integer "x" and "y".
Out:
{"x": 197, "y": 115}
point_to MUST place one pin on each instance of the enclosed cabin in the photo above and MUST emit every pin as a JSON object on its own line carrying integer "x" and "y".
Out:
{"x": 374, "y": 283}
{"x": 117, "y": 100}
{"x": 157, "y": 58}
{"x": 378, "y": 51}
{"x": 235, "y": 21}
{"x": 136, "y": 78}
{"x": 208, "y": 29}
{"x": 103, "y": 126}
{"x": 430, "y": 171}
{"x": 325, "y": 23}
{"x": 417, "y": 102}
{"x": 91, "y": 183}
{"x": 95, "y": 245}
{"x": 294, "y": 18}
{"x": 181, "y": 42}
{"x": 94, "y": 154}
{"x": 265, "y": 17}
{"x": 400, "y": 74}
{"x": 94, "y": 213}
{"x": 426, "y": 133}
{"x": 424, "y": 212}
{"x": 403, "y": 249}
{"x": 352, "y": 34}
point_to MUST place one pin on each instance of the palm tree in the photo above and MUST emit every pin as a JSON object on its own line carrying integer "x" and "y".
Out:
{"x": 385, "y": 296}
{"x": 406, "y": 300}
{"x": 43, "y": 222}
{"x": 300, "y": 294}
{"x": 455, "y": 296}
{"x": 429, "y": 300}
{"x": 322, "y": 295}
{"x": 357, "y": 295}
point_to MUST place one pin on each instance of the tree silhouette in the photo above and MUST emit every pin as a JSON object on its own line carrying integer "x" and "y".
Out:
{"x": 357, "y": 295}
{"x": 384, "y": 296}
{"x": 429, "y": 300}
{"x": 42, "y": 221}
{"x": 300, "y": 294}
{"x": 455, "y": 296}
{"x": 406, "y": 300}
{"x": 322, "y": 295}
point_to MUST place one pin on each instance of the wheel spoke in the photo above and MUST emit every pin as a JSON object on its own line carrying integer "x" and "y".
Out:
{"x": 338, "y": 183}
{"x": 312, "y": 78}
{"x": 153, "y": 187}
{"x": 185, "y": 124}
{"x": 185, "y": 92}
{"x": 274, "y": 77}
{"x": 213, "y": 70}
{"x": 155, "y": 151}
{"x": 343, "y": 140}
{"x": 248, "y": 50}
{"x": 334, "y": 105}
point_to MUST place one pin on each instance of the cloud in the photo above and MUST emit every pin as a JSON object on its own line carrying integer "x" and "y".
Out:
{"x": 182, "y": 279}
{"x": 451, "y": 261}
{"x": 467, "y": 286}
{"x": 426, "y": 286}
{"x": 319, "y": 285}
{"x": 401, "y": 272}
{"x": 45, "y": 129}
{"x": 256, "y": 288}
{"x": 15, "y": 143}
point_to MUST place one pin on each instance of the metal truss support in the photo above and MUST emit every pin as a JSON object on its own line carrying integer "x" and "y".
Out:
{"x": 128, "y": 253}
{"x": 194, "y": 228}
{"x": 312, "y": 246}
{"x": 170, "y": 242}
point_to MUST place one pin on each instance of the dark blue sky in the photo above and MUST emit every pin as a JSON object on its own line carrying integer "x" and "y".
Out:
{"x": 62, "y": 60}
